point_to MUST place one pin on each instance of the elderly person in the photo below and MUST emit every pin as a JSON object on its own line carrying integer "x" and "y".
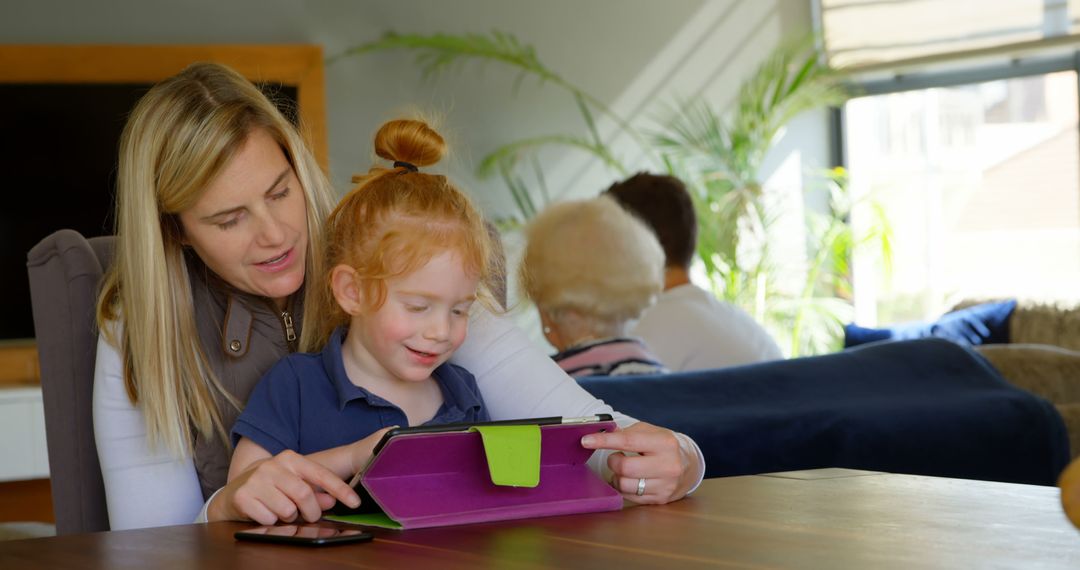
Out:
{"x": 591, "y": 269}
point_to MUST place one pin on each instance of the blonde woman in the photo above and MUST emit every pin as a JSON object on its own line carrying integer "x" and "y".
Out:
{"x": 591, "y": 268}
{"x": 220, "y": 211}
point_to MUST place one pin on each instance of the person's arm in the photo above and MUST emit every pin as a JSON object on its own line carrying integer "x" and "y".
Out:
{"x": 271, "y": 422}
{"x": 347, "y": 460}
{"x": 288, "y": 485}
{"x": 282, "y": 488}
{"x": 268, "y": 479}
{"x": 517, "y": 380}
{"x": 245, "y": 454}
{"x": 273, "y": 502}
{"x": 343, "y": 461}
{"x": 145, "y": 486}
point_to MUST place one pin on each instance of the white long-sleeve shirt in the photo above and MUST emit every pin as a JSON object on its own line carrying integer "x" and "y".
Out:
{"x": 147, "y": 486}
{"x": 690, "y": 329}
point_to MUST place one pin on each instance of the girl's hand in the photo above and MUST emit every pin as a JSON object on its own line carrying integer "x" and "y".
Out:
{"x": 668, "y": 468}
{"x": 281, "y": 488}
{"x": 360, "y": 452}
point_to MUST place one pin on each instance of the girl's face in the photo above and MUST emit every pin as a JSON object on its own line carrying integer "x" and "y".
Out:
{"x": 250, "y": 225}
{"x": 422, "y": 322}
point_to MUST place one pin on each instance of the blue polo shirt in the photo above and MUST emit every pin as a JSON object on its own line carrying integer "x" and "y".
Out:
{"x": 306, "y": 403}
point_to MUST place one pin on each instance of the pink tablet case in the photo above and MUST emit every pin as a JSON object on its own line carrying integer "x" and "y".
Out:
{"x": 425, "y": 480}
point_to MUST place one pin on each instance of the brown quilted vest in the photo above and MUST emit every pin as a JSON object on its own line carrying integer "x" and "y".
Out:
{"x": 242, "y": 336}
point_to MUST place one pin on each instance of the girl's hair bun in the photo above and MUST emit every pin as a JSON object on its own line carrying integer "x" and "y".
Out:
{"x": 411, "y": 141}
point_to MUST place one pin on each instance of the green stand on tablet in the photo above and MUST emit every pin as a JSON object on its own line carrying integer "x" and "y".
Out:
{"x": 513, "y": 454}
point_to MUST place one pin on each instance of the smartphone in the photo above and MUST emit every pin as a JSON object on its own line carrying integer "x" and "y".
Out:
{"x": 304, "y": 534}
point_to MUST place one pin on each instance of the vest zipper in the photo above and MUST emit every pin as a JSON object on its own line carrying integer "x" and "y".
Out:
{"x": 290, "y": 332}
{"x": 287, "y": 325}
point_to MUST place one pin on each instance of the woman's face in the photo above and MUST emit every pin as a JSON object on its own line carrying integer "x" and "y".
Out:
{"x": 250, "y": 226}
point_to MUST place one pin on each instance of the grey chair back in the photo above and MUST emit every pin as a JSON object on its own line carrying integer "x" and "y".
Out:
{"x": 65, "y": 271}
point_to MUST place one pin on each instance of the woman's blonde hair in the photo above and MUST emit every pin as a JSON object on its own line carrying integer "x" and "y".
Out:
{"x": 179, "y": 137}
{"x": 592, "y": 257}
{"x": 396, "y": 219}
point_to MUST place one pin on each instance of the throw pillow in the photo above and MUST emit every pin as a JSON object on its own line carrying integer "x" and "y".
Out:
{"x": 987, "y": 323}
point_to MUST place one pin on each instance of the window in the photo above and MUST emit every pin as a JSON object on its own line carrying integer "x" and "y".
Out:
{"x": 981, "y": 184}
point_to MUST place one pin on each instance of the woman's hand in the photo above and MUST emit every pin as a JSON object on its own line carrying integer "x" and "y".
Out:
{"x": 281, "y": 488}
{"x": 667, "y": 467}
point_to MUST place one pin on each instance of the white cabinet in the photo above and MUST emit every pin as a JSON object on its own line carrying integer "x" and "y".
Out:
{"x": 23, "y": 453}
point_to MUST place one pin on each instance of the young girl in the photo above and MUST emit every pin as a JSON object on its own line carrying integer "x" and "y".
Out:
{"x": 409, "y": 256}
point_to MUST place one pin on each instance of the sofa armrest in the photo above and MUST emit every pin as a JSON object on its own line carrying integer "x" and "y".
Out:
{"x": 1045, "y": 370}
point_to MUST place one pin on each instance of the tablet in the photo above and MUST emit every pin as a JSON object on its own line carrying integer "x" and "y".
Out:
{"x": 465, "y": 426}
{"x": 449, "y": 474}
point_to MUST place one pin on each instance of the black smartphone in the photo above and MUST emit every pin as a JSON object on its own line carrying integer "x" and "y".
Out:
{"x": 304, "y": 534}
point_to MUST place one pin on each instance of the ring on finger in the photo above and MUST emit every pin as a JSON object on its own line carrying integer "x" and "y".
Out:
{"x": 640, "y": 487}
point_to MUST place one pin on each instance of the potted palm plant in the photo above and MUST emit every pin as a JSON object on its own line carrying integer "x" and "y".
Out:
{"x": 718, "y": 153}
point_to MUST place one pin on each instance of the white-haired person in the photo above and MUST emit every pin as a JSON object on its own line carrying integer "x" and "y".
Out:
{"x": 591, "y": 269}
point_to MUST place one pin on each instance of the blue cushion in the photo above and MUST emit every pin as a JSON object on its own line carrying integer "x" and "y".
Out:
{"x": 987, "y": 323}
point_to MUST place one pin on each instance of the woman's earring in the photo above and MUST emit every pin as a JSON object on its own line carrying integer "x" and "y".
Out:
{"x": 547, "y": 329}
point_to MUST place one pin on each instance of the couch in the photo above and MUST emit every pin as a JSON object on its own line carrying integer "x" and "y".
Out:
{"x": 1042, "y": 356}
{"x": 926, "y": 407}
{"x": 1034, "y": 345}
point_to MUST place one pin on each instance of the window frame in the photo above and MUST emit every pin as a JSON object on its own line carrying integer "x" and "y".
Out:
{"x": 953, "y": 74}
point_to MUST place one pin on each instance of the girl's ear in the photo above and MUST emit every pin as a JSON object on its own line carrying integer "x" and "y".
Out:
{"x": 345, "y": 284}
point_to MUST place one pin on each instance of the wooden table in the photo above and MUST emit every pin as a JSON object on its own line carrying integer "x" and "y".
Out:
{"x": 829, "y": 518}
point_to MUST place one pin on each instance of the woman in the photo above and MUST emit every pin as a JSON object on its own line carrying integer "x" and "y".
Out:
{"x": 220, "y": 211}
{"x": 591, "y": 268}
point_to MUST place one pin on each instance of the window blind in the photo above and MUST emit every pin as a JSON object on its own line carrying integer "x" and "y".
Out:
{"x": 864, "y": 33}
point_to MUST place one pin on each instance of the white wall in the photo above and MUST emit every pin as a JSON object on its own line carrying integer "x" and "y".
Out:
{"x": 22, "y": 434}
{"x": 635, "y": 55}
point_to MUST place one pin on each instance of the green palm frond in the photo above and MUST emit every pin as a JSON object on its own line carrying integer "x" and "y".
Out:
{"x": 519, "y": 191}
{"x": 718, "y": 152}
{"x": 509, "y": 154}
{"x": 790, "y": 81}
{"x": 437, "y": 53}
{"x": 881, "y": 234}
{"x": 694, "y": 131}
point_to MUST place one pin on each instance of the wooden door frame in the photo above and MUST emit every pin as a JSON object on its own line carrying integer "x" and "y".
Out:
{"x": 297, "y": 65}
